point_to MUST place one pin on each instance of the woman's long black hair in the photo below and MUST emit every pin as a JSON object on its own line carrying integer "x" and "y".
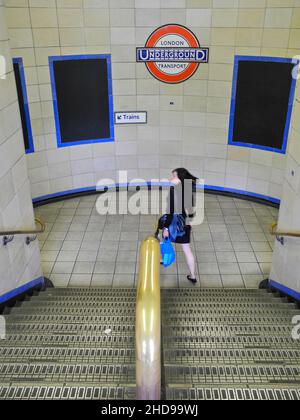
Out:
{"x": 184, "y": 175}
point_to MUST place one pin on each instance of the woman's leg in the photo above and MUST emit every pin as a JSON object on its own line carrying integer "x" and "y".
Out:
{"x": 190, "y": 259}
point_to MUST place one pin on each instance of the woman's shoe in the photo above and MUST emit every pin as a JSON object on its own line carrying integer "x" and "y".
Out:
{"x": 191, "y": 279}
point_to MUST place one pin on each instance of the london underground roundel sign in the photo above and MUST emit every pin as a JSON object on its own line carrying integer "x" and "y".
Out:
{"x": 172, "y": 54}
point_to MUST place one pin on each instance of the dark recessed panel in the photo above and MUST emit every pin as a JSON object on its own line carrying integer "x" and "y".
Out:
{"x": 82, "y": 94}
{"x": 22, "y": 107}
{"x": 261, "y": 109}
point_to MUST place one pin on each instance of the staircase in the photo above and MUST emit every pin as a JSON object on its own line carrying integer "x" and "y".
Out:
{"x": 216, "y": 345}
{"x": 229, "y": 345}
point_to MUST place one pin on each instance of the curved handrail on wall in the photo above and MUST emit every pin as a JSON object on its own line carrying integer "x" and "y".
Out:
{"x": 148, "y": 323}
{"x": 26, "y": 232}
{"x": 277, "y": 233}
{"x": 8, "y": 236}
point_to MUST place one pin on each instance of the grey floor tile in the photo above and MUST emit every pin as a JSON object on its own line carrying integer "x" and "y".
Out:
{"x": 49, "y": 255}
{"x": 257, "y": 237}
{"x": 226, "y": 257}
{"x": 47, "y": 267}
{"x": 52, "y": 245}
{"x": 125, "y": 268}
{"x": 210, "y": 281}
{"x": 229, "y": 268}
{"x": 242, "y": 246}
{"x": 123, "y": 280}
{"x": 250, "y": 268}
{"x": 264, "y": 257}
{"x": 206, "y": 257}
{"x": 89, "y": 246}
{"x": 60, "y": 280}
{"x": 246, "y": 257}
{"x": 71, "y": 246}
{"x": 223, "y": 246}
{"x": 126, "y": 256}
{"x": 78, "y": 280}
{"x": 75, "y": 236}
{"x": 104, "y": 255}
{"x": 83, "y": 267}
{"x": 233, "y": 281}
{"x": 65, "y": 267}
{"x": 87, "y": 256}
{"x": 252, "y": 281}
{"x": 102, "y": 280}
{"x": 169, "y": 281}
{"x": 266, "y": 268}
{"x": 57, "y": 236}
{"x": 67, "y": 256}
{"x": 104, "y": 267}
{"x": 208, "y": 268}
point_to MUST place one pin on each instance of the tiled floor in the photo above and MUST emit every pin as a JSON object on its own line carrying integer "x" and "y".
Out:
{"x": 81, "y": 248}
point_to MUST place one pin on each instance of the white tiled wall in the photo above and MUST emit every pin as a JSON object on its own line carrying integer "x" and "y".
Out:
{"x": 286, "y": 259}
{"x": 19, "y": 263}
{"x": 194, "y": 131}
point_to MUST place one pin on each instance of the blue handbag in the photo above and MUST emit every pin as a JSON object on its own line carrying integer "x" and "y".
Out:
{"x": 167, "y": 252}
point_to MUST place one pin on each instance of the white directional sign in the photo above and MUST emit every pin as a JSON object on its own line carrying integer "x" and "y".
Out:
{"x": 131, "y": 117}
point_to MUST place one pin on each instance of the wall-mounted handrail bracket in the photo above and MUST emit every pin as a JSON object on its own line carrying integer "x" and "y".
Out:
{"x": 7, "y": 239}
{"x": 280, "y": 239}
{"x": 30, "y": 239}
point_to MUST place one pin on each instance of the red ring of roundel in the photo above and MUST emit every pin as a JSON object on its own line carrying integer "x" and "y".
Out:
{"x": 193, "y": 43}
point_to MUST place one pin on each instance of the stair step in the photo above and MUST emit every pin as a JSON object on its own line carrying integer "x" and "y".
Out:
{"x": 65, "y": 354}
{"x": 229, "y": 356}
{"x": 67, "y": 372}
{"x": 67, "y": 392}
{"x": 230, "y": 374}
{"x": 233, "y": 392}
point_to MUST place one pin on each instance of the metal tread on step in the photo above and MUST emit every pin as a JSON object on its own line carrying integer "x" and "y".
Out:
{"x": 89, "y": 291}
{"x": 233, "y": 374}
{"x": 233, "y": 392}
{"x": 67, "y": 355}
{"x": 227, "y": 330}
{"x": 95, "y": 329}
{"x": 64, "y": 340}
{"x": 233, "y": 319}
{"x": 210, "y": 342}
{"x": 227, "y": 310}
{"x": 66, "y": 392}
{"x": 124, "y": 309}
{"x": 232, "y": 356}
{"x": 67, "y": 372}
{"x": 63, "y": 319}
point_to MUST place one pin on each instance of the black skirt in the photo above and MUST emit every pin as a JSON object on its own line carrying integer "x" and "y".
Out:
{"x": 186, "y": 238}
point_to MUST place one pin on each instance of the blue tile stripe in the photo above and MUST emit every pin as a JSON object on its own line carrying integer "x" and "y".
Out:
{"x": 156, "y": 184}
{"x": 284, "y": 289}
{"x": 13, "y": 293}
{"x": 239, "y": 58}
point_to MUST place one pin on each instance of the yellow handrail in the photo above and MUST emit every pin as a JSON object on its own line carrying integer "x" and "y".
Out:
{"x": 275, "y": 232}
{"x": 26, "y": 232}
{"x": 148, "y": 323}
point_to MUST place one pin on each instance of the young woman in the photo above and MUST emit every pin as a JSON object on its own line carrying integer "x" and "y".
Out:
{"x": 182, "y": 202}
